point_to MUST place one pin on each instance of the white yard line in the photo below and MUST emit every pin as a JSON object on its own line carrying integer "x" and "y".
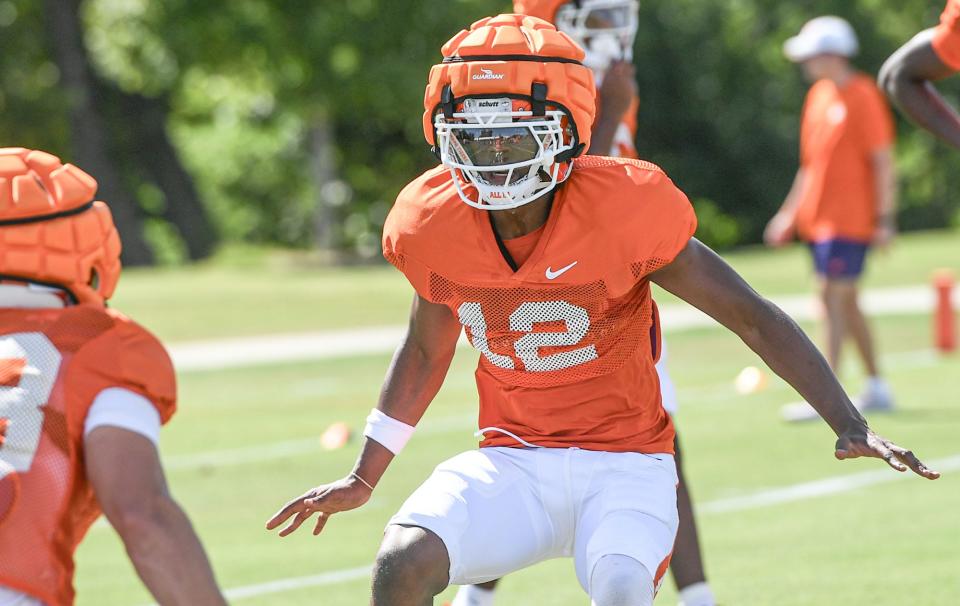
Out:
{"x": 327, "y": 578}
{"x": 819, "y": 488}
{"x": 764, "y": 498}
{"x": 269, "y": 349}
{"x": 284, "y": 348}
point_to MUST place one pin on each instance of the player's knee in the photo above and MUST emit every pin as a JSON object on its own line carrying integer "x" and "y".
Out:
{"x": 619, "y": 580}
{"x": 412, "y": 562}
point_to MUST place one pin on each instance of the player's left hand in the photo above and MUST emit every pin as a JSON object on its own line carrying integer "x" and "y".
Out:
{"x": 326, "y": 500}
{"x": 862, "y": 442}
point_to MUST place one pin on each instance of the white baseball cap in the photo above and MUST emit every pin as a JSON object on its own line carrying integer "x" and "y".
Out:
{"x": 822, "y": 36}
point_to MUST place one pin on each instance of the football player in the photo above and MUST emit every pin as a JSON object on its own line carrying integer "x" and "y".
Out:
{"x": 545, "y": 257}
{"x": 606, "y": 30}
{"x": 83, "y": 393}
{"x": 908, "y": 75}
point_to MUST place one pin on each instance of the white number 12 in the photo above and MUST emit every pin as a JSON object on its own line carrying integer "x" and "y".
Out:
{"x": 527, "y": 347}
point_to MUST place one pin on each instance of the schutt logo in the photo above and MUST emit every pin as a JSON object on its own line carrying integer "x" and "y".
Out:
{"x": 487, "y": 75}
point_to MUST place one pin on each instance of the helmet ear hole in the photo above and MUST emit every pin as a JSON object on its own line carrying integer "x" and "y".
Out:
{"x": 94, "y": 279}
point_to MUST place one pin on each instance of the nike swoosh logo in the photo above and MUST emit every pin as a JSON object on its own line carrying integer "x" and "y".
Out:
{"x": 551, "y": 275}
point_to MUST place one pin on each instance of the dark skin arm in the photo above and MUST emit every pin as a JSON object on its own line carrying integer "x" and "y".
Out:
{"x": 415, "y": 375}
{"x": 908, "y": 76}
{"x": 700, "y": 277}
{"x": 127, "y": 477}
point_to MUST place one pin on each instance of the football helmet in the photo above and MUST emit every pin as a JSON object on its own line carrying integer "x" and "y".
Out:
{"x": 52, "y": 231}
{"x": 508, "y": 109}
{"x": 606, "y": 29}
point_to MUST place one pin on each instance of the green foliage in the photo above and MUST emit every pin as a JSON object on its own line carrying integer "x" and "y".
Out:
{"x": 32, "y": 112}
{"x": 250, "y": 82}
{"x": 715, "y": 228}
{"x": 721, "y": 105}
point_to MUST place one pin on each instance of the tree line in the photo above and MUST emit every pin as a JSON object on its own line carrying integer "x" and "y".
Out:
{"x": 297, "y": 123}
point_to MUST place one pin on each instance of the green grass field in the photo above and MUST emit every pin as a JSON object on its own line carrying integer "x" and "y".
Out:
{"x": 249, "y": 292}
{"x": 246, "y": 440}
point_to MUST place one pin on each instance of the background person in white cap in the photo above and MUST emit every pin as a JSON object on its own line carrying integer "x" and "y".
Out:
{"x": 843, "y": 200}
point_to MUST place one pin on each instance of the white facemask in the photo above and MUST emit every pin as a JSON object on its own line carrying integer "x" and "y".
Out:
{"x": 606, "y": 29}
{"x": 507, "y": 156}
{"x": 602, "y": 51}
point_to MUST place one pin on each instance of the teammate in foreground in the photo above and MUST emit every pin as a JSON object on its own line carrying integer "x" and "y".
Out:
{"x": 83, "y": 392}
{"x": 576, "y": 459}
{"x": 843, "y": 199}
{"x": 908, "y": 75}
{"x": 606, "y": 30}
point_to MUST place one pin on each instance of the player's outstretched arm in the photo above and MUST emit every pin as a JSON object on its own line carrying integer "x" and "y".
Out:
{"x": 415, "y": 375}
{"x": 125, "y": 471}
{"x": 700, "y": 277}
{"x": 907, "y": 78}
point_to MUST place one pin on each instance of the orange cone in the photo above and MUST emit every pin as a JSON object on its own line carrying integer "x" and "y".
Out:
{"x": 945, "y": 329}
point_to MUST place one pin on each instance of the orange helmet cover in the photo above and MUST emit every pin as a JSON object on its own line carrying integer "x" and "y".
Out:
{"x": 508, "y": 55}
{"x": 51, "y": 229}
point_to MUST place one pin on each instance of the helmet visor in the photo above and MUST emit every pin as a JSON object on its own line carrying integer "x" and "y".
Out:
{"x": 494, "y": 145}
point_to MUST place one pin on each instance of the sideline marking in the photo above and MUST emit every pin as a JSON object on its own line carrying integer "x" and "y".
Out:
{"x": 221, "y": 354}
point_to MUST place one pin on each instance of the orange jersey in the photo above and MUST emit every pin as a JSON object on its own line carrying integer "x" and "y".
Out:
{"x": 840, "y": 130}
{"x": 946, "y": 37}
{"x": 569, "y": 340}
{"x": 53, "y": 364}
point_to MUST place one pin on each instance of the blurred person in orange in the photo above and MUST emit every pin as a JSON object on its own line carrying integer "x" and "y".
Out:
{"x": 607, "y": 30}
{"x": 843, "y": 199}
{"x": 908, "y": 75}
{"x": 84, "y": 391}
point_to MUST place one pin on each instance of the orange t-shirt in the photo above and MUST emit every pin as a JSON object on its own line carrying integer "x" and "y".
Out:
{"x": 53, "y": 364}
{"x": 946, "y": 37}
{"x": 569, "y": 340}
{"x": 840, "y": 130}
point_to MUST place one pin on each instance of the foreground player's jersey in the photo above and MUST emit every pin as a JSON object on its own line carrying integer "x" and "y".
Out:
{"x": 946, "y": 37}
{"x": 569, "y": 341}
{"x": 53, "y": 364}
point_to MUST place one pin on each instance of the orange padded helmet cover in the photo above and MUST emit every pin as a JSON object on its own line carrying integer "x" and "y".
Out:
{"x": 507, "y": 55}
{"x": 51, "y": 230}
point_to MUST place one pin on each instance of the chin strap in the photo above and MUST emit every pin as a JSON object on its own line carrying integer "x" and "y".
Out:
{"x": 538, "y": 99}
{"x": 446, "y": 106}
{"x": 446, "y": 102}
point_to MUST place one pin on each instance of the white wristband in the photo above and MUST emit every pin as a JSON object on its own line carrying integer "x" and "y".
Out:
{"x": 386, "y": 430}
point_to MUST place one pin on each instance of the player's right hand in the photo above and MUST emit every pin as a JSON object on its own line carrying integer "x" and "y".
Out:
{"x": 618, "y": 89}
{"x": 342, "y": 495}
